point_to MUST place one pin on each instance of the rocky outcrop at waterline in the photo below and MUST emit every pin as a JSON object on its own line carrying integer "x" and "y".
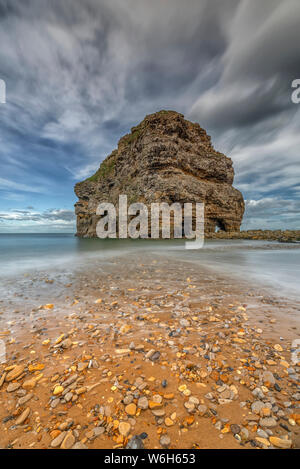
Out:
{"x": 282, "y": 236}
{"x": 166, "y": 158}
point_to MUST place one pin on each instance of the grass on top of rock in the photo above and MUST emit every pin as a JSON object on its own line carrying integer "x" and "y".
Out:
{"x": 164, "y": 112}
{"x": 105, "y": 170}
{"x": 130, "y": 138}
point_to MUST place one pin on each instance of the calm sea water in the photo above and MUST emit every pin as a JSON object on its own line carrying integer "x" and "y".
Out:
{"x": 269, "y": 263}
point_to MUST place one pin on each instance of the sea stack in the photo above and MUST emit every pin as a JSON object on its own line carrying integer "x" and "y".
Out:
{"x": 165, "y": 158}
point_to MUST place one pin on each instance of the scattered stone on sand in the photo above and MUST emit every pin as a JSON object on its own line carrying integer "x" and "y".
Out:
{"x": 165, "y": 441}
{"x": 15, "y": 373}
{"x": 130, "y": 409}
{"x": 24, "y": 415}
{"x": 156, "y": 357}
{"x": 124, "y": 428}
{"x": 280, "y": 442}
{"x": 68, "y": 441}
{"x": 58, "y": 440}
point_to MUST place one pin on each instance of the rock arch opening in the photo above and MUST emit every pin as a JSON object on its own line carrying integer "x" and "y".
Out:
{"x": 219, "y": 226}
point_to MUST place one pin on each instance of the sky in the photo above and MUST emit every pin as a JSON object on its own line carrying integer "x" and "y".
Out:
{"x": 80, "y": 73}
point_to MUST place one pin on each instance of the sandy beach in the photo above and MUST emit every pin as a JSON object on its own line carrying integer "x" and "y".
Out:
{"x": 149, "y": 352}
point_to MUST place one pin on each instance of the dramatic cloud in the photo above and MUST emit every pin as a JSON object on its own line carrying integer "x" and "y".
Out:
{"x": 51, "y": 220}
{"x": 271, "y": 213}
{"x": 79, "y": 74}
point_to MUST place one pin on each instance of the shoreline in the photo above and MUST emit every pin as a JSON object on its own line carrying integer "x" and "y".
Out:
{"x": 88, "y": 377}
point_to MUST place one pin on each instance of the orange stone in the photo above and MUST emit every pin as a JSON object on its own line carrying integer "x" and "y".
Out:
{"x": 224, "y": 378}
{"x": 154, "y": 405}
{"x": 54, "y": 434}
{"x": 169, "y": 396}
{"x": 215, "y": 375}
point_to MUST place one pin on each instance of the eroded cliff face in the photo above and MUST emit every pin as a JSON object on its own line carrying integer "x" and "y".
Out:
{"x": 165, "y": 159}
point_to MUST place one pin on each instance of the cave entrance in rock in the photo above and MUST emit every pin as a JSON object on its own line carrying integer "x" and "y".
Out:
{"x": 219, "y": 226}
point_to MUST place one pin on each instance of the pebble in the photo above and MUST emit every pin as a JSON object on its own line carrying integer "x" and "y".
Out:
{"x": 24, "y": 399}
{"x": 29, "y": 384}
{"x": 68, "y": 396}
{"x": 268, "y": 377}
{"x": 262, "y": 441}
{"x": 143, "y": 403}
{"x": 67, "y": 343}
{"x": 82, "y": 366}
{"x": 15, "y": 373}
{"x": 81, "y": 390}
{"x": 128, "y": 399}
{"x": 244, "y": 433}
{"x": 280, "y": 443}
{"x": 261, "y": 433}
{"x": 68, "y": 441}
{"x": 55, "y": 403}
{"x": 194, "y": 400}
{"x": 79, "y": 445}
{"x": 202, "y": 409}
{"x": 268, "y": 422}
{"x": 58, "y": 440}
{"x": 169, "y": 422}
{"x": 57, "y": 390}
{"x": 13, "y": 387}
{"x": 136, "y": 442}
{"x": 190, "y": 407}
{"x": 99, "y": 431}
{"x": 165, "y": 441}
{"x": 130, "y": 409}
{"x": 124, "y": 428}
{"x": 257, "y": 406}
{"x": 235, "y": 429}
{"x": 21, "y": 419}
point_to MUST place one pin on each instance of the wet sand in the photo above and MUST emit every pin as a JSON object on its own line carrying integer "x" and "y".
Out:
{"x": 147, "y": 345}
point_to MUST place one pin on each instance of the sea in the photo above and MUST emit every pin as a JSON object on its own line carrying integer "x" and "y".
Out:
{"x": 268, "y": 264}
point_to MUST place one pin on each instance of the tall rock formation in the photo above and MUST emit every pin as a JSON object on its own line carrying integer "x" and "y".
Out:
{"x": 164, "y": 159}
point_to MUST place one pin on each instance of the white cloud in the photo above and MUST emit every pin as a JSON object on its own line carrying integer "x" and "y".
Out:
{"x": 271, "y": 213}
{"x": 48, "y": 217}
{"x": 17, "y": 186}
